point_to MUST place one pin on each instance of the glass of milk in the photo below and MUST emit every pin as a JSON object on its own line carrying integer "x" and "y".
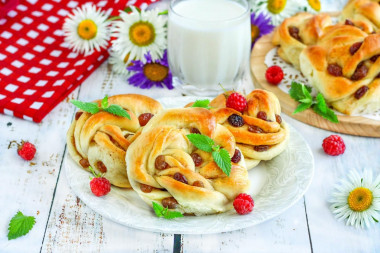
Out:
{"x": 209, "y": 43}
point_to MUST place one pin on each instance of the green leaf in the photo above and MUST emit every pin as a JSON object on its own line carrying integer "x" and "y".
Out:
{"x": 202, "y": 142}
{"x": 118, "y": 111}
{"x": 90, "y": 107}
{"x": 375, "y": 219}
{"x": 302, "y": 107}
{"x": 299, "y": 91}
{"x": 322, "y": 109}
{"x": 165, "y": 12}
{"x": 202, "y": 103}
{"x": 20, "y": 225}
{"x": 223, "y": 160}
{"x": 104, "y": 102}
{"x": 164, "y": 212}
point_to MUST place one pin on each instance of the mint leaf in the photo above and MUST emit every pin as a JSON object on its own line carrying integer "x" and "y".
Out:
{"x": 202, "y": 142}
{"x": 223, "y": 160}
{"x": 104, "y": 102}
{"x": 296, "y": 92}
{"x": 302, "y": 107}
{"x": 20, "y": 225}
{"x": 202, "y": 103}
{"x": 322, "y": 109}
{"x": 118, "y": 111}
{"x": 164, "y": 212}
{"x": 90, "y": 107}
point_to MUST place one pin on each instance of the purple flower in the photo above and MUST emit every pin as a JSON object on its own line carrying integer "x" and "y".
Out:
{"x": 260, "y": 25}
{"x": 152, "y": 73}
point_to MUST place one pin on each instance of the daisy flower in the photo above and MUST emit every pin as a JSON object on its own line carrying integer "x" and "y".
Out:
{"x": 151, "y": 73}
{"x": 357, "y": 199}
{"x": 312, "y": 6}
{"x": 277, "y": 10}
{"x": 119, "y": 62}
{"x": 86, "y": 29}
{"x": 260, "y": 25}
{"x": 139, "y": 32}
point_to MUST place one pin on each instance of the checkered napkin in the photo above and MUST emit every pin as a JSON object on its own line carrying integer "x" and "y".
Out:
{"x": 37, "y": 70}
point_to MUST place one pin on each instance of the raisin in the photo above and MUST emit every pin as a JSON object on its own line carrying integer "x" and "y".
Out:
{"x": 169, "y": 202}
{"x": 144, "y": 118}
{"x": 355, "y": 47}
{"x": 146, "y": 188}
{"x": 197, "y": 159}
{"x": 84, "y": 163}
{"x": 194, "y": 130}
{"x": 262, "y": 115}
{"x": 237, "y": 156}
{"x": 349, "y": 22}
{"x": 378, "y": 76}
{"x": 255, "y": 129}
{"x": 160, "y": 163}
{"x": 334, "y": 69}
{"x": 198, "y": 184}
{"x": 374, "y": 58}
{"x": 261, "y": 148}
{"x": 360, "y": 72}
{"x": 236, "y": 120}
{"x": 180, "y": 177}
{"x": 278, "y": 119}
{"x": 361, "y": 92}
{"x": 101, "y": 167}
{"x": 77, "y": 115}
{"x": 294, "y": 32}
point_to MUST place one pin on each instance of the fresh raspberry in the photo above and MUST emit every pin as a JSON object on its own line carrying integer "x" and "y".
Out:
{"x": 99, "y": 185}
{"x": 274, "y": 75}
{"x": 243, "y": 203}
{"x": 236, "y": 101}
{"x": 333, "y": 145}
{"x": 26, "y": 150}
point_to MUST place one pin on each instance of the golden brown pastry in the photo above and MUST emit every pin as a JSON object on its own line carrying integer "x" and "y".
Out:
{"x": 101, "y": 139}
{"x": 260, "y": 132}
{"x": 365, "y": 11}
{"x": 297, "y": 32}
{"x": 345, "y": 67}
{"x": 165, "y": 167}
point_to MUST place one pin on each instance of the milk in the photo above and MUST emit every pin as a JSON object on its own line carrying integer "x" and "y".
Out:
{"x": 208, "y": 43}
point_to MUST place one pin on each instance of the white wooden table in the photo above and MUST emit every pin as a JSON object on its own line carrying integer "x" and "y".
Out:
{"x": 65, "y": 224}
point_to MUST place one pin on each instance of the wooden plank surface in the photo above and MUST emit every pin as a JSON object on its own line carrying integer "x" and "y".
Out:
{"x": 354, "y": 125}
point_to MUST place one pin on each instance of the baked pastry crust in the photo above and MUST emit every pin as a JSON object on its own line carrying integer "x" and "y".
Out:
{"x": 366, "y": 11}
{"x": 356, "y": 54}
{"x": 271, "y": 137}
{"x": 310, "y": 27}
{"x": 101, "y": 139}
{"x": 165, "y": 137}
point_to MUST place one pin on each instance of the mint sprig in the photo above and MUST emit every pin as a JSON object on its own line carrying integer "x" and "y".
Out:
{"x": 93, "y": 107}
{"x": 301, "y": 93}
{"x": 220, "y": 155}
{"x": 205, "y": 103}
{"x": 164, "y": 212}
{"x": 20, "y": 225}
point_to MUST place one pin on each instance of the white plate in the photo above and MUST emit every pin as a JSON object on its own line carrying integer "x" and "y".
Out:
{"x": 275, "y": 186}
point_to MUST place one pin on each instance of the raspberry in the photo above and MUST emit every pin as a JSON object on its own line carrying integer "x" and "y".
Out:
{"x": 99, "y": 185}
{"x": 274, "y": 75}
{"x": 236, "y": 101}
{"x": 236, "y": 120}
{"x": 333, "y": 145}
{"x": 26, "y": 150}
{"x": 243, "y": 203}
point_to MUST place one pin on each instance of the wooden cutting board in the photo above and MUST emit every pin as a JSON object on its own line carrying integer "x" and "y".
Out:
{"x": 354, "y": 125}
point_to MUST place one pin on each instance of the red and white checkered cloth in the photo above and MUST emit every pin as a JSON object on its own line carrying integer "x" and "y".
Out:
{"x": 37, "y": 70}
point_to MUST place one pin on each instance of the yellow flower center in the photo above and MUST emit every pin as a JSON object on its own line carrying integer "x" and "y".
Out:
{"x": 156, "y": 72}
{"x": 276, "y": 6}
{"x": 142, "y": 33}
{"x": 87, "y": 29}
{"x": 360, "y": 199}
{"x": 255, "y": 32}
{"x": 315, "y": 4}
